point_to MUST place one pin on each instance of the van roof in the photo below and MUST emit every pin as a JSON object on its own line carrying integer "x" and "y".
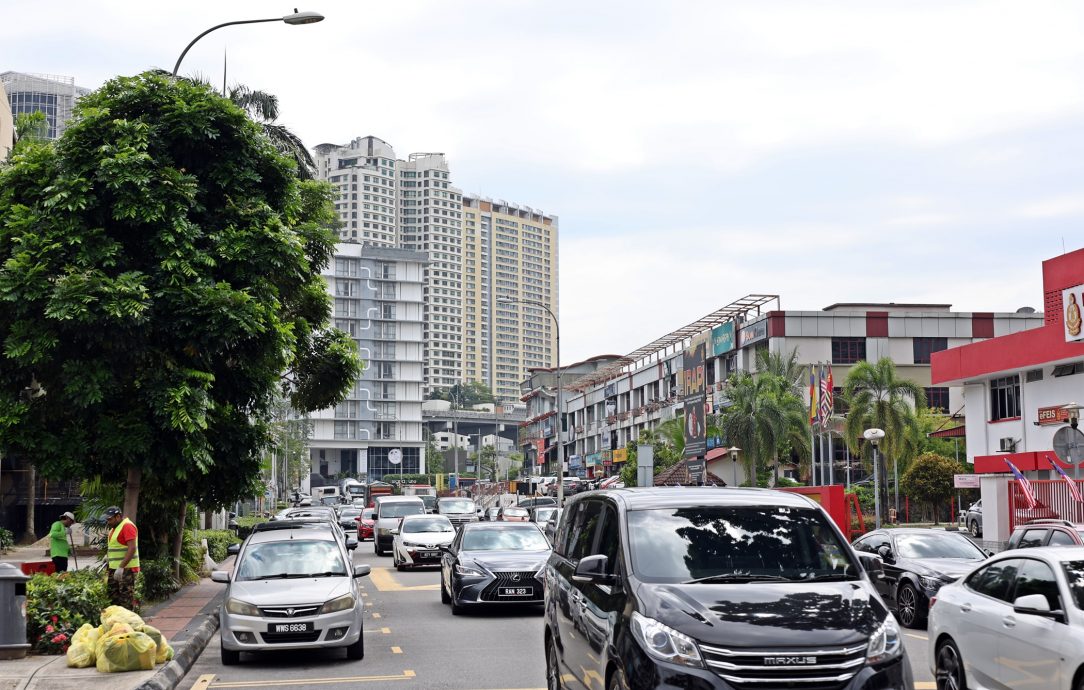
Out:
{"x": 639, "y": 498}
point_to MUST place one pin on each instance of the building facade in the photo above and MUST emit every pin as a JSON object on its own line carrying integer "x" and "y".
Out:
{"x": 7, "y": 125}
{"x": 509, "y": 251}
{"x": 377, "y": 430}
{"x": 50, "y": 94}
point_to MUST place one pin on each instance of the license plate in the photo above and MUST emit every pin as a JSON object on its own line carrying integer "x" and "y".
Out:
{"x": 290, "y": 627}
{"x": 428, "y": 554}
{"x": 514, "y": 591}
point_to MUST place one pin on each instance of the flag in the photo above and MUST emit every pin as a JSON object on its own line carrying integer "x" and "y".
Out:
{"x": 1025, "y": 485}
{"x": 826, "y": 396}
{"x": 1073, "y": 488}
{"x": 812, "y": 396}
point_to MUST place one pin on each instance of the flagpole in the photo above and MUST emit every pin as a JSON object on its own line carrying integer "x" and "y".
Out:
{"x": 831, "y": 459}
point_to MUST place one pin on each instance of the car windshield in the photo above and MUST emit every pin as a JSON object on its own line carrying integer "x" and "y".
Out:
{"x": 429, "y": 524}
{"x": 528, "y": 539}
{"x": 543, "y": 514}
{"x": 349, "y": 513}
{"x": 394, "y": 510}
{"x": 291, "y": 558}
{"x": 736, "y": 543}
{"x": 368, "y": 513}
{"x": 934, "y": 545}
{"x": 457, "y": 505}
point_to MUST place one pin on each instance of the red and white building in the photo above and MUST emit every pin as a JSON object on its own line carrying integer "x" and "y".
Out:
{"x": 1015, "y": 387}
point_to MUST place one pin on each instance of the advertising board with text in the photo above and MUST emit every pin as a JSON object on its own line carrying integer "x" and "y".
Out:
{"x": 694, "y": 386}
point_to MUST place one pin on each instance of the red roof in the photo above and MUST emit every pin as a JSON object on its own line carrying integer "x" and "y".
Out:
{"x": 951, "y": 432}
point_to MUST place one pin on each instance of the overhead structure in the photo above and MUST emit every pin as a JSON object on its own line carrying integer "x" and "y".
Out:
{"x": 737, "y": 310}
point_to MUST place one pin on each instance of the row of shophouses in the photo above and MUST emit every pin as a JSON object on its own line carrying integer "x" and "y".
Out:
{"x": 1002, "y": 379}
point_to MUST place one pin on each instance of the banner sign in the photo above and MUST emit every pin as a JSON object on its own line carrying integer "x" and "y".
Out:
{"x": 722, "y": 339}
{"x": 594, "y": 459}
{"x": 620, "y": 455}
{"x": 1054, "y": 414}
{"x": 607, "y": 458}
{"x": 574, "y": 462}
{"x": 694, "y": 387}
{"x": 696, "y": 471}
{"x": 966, "y": 481}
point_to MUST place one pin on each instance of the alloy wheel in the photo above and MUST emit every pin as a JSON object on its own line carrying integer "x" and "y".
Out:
{"x": 974, "y": 528}
{"x": 949, "y": 673}
{"x": 553, "y": 671}
{"x": 907, "y": 606}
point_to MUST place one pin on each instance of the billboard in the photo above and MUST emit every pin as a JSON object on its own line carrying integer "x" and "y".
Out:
{"x": 694, "y": 394}
{"x": 722, "y": 339}
{"x": 752, "y": 333}
{"x": 620, "y": 455}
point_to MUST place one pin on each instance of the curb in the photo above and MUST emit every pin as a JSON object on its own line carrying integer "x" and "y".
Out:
{"x": 170, "y": 675}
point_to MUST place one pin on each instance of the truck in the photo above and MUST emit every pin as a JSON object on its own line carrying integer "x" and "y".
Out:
{"x": 320, "y": 493}
{"x": 350, "y": 489}
{"x": 419, "y": 490}
{"x": 374, "y": 490}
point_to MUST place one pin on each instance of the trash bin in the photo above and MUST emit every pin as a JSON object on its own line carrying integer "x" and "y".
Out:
{"x": 33, "y": 567}
{"x": 13, "y": 643}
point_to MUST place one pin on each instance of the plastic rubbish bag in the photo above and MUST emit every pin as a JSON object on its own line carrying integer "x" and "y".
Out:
{"x": 125, "y": 652}
{"x": 164, "y": 652}
{"x": 119, "y": 614}
{"x": 81, "y": 652}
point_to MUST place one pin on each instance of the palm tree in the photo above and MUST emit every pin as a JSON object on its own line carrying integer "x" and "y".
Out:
{"x": 763, "y": 418}
{"x": 877, "y": 398}
{"x": 263, "y": 108}
{"x": 784, "y": 367}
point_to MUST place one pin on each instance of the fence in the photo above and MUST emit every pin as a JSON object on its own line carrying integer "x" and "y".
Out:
{"x": 1052, "y": 498}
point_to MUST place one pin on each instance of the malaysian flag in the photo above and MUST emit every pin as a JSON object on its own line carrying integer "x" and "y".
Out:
{"x": 826, "y": 396}
{"x": 812, "y": 396}
{"x": 1025, "y": 485}
{"x": 1073, "y": 489}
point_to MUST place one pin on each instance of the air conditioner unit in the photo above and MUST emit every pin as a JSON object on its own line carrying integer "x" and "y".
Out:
{"x": 1008, "y": 445}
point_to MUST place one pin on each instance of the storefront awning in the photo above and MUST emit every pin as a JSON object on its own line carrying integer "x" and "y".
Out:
{"x": 953, "y": 432}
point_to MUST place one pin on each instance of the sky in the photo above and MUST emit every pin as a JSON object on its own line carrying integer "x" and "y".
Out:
{"x": 694, "y": 151}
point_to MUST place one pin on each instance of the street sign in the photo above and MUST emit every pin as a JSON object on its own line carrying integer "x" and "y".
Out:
{"x": 966, "y": 481}
{"x": 696, "y": 471}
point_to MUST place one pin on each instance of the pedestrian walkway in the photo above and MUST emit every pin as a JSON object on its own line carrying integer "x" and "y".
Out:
{"x": 182, "y": 611}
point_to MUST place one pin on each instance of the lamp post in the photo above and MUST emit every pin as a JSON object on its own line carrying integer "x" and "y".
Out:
{"x": 734, "y": 450}
{"x": 560, "y": 445}
{"x": 874, "y": 436}
{"x": 293, "y": 19}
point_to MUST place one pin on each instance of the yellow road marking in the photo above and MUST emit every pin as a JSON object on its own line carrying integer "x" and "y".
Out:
{"x": 383, "y": 580}
{"x": 364, "y": 594}
{"x": 376, "y": 615}
{"x": 405, "y": 675}
{"x": 386, "y": 631}
{"x": 396, "y": 650}
{"x": 203, "y": 682}
{"x": 925, "y": 685}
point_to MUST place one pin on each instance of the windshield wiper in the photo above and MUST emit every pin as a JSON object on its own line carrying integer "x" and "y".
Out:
{"x": 736, "y": 577}
{"x": 326, "y": 573}
{"x": 276, "y": 576}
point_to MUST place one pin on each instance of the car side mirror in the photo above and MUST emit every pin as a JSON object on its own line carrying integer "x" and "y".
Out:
{"x": 1037, "y": 605}
{"x": 593, "y": 569}
{"x": 222, "y": 577}
{"x": 885, "y": 552}
{"x": 351, "y": 543}
{"x": 872, "y": 565}
{"x": 233, "y": 550}
{"x": 362, "y": 570}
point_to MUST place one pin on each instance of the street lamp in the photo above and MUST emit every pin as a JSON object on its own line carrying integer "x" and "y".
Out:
{"x": 292, "y": 19}
{"x": 874, "y": 436}
{"x": 734, "y": 450}
{"x": 560, "y": 445}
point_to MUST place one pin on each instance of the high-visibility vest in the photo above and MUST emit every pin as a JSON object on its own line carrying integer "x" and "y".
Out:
{"x": 117, "y": 550}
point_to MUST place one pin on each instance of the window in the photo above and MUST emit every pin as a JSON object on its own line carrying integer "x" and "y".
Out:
{"x": 848, "y": 350}
{"x": 1036, "y": 577}
{"x": 1032, "y": 537}
{"x": 1059, "y": 538}
{"x": 924, "y": 347}
{"x": 937, "y": 398}
{"x": 1068, "y": 369}
{"x": 995, "y": 580}
{"x": 1004, "y": 398}
{"x": 564, "y": 529}
{"x": 582, "y": 540}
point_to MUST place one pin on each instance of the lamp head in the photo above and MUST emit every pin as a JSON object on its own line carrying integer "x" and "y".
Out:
{"x": 303, "y": 17}
{"x": 733, "y": 450}
{"x": 873, "y": 435}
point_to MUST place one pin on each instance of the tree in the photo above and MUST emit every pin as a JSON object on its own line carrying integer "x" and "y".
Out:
{"x": 160, "y": 277}
{"x": 434, "y": 459}
{"x": 263, "y": 108}
{"x": 787, "y": 372}
{"x": 928, "y": 481}
{"x": 463, "y": 395}
{"x": 877, "y": 398}
{"x": 763, "y": 418}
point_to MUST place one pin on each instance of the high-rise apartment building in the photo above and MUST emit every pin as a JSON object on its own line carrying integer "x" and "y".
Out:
{"x": 378, "y": 301}
{"x": 386, "y": 201}
{"x": 52, "y": 95}
{"x": 509, "y": 251}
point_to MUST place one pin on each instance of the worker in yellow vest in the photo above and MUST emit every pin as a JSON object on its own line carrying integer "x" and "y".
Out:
{"x": 122, "y": 554}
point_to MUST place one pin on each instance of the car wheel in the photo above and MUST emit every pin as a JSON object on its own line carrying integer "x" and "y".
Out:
{"x": 230, "y": 657}
{"x": 974, "y": 528}
{"x": 553, "y": 670}
{"x": 356, "y": 650}
{"x": 909, "y": 606}
{"x": 949, "y": 670}
{"x": 444, "y": 598}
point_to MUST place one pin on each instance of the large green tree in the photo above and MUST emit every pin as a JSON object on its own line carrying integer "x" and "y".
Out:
{"x": 764, "y": 418}
{"x": 878, "y": 398}
{"x": 160, "y": 280}
{"x": 928, "y": 481}
{"x": 463, "y": 395}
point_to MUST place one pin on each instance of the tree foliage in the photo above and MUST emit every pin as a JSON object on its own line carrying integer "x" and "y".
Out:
{"x": 463, "y": 395}
{"x": 159, "y": 275}
{"x": 928, "y": 481}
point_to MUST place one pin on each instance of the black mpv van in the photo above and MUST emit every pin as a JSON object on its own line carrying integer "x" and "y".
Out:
{"x": 699, "y": 588}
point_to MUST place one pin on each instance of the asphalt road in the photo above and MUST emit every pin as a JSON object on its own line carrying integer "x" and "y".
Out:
{"x": 413, "y": 641}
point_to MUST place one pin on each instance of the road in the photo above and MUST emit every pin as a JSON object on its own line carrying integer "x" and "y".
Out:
{"x": 413, "y": 641}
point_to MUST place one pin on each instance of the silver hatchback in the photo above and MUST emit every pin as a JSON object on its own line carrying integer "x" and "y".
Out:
{"x": 292, "y": 588}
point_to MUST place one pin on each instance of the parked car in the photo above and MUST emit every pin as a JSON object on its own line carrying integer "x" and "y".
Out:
{"x": 701, "y": 588}
{"x": 459, "y": 510}
{"x": 365, "y": 523}
{"x": 573, "y": 485}
{"x": 542, "y": 514}
{"x": 536, "y": 501}
{"x": 513, "y": 514}
{"x": 389, "y": 511}
{"x": 418, "y": 540}
{"x": 1046, "y": 532}
{"x": 550, "y": 528}
{"x": 293, "y": 587}
{"x": 491, "y": 513}
{"x": 973, "y": 519}
{"x": 430, "y": 501}
{"x": 917, "y": 563}
{"x": 1016, "y": 621}
{"x": 493, "y": 563}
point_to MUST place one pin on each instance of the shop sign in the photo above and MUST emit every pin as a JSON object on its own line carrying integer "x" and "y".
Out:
{"x": 695, "y": 391}
{"x": 966, "y": 481}
{"x": 722, "y": 339}
{"x": 620, "y": 455}
{"x": 1072, "y": 305}
{"x": 574, "y": 462}
{"x": 611, "y": 390}
{"x": 594, "y": 459}
{"x": 1054, "y": 414}
{"x": 753, "y": 332}
{"x": 547, "y": 430}
{"x": 607, "y": 458}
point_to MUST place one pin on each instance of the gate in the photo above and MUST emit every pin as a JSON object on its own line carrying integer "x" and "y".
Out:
{"x": 1052, "y": 499}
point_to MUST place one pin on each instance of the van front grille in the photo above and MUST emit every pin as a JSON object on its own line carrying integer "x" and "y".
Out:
{"x": 801, "y": 668}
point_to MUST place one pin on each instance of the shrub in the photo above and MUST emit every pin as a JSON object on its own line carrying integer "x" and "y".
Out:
{"x": 217, "y": 541}
{"x": 57, "y": 605}
{"x": 7, "y": 539}
{"x": 155, "y": 581}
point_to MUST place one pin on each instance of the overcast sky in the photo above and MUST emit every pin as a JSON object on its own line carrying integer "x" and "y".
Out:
{"x": 695, "y": 152}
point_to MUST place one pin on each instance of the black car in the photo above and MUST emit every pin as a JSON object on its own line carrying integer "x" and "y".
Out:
{"x": 537, "y": 502}
{"x": 917, "y": 563}
{"x": 493, "y": 563}
{"x": 713, "y": 588}
{"x": 348, "y": 518}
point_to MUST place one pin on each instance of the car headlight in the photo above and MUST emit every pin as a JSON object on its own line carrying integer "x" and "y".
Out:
{"x": 934, "y": 583}
{"x": 885, "y": 643}
{"x": 665, "y": 643}
{"x": 541, "y": 574}
{"x": 241, "y": 608}
{"x": 342, "y": 603}
{"x": 470, "y": 571}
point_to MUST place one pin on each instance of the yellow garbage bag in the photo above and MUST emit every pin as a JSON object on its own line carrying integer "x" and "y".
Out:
{"x": 81, "y": 652}
{"x": 164, "y": 652}
{"x": 125, "y": 652}
{"x": 116, "y": 629}
{"x": 119, "y": 614}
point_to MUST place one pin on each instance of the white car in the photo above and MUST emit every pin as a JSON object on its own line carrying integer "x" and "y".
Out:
{"x": 418, "y": 539}
{"x": 1016, "y": 621}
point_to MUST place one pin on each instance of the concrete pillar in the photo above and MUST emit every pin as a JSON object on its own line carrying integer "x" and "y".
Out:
{"x": 995, "y": 507}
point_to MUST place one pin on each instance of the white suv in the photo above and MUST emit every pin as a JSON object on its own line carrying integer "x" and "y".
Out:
{"x": 1016, "y": 621}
